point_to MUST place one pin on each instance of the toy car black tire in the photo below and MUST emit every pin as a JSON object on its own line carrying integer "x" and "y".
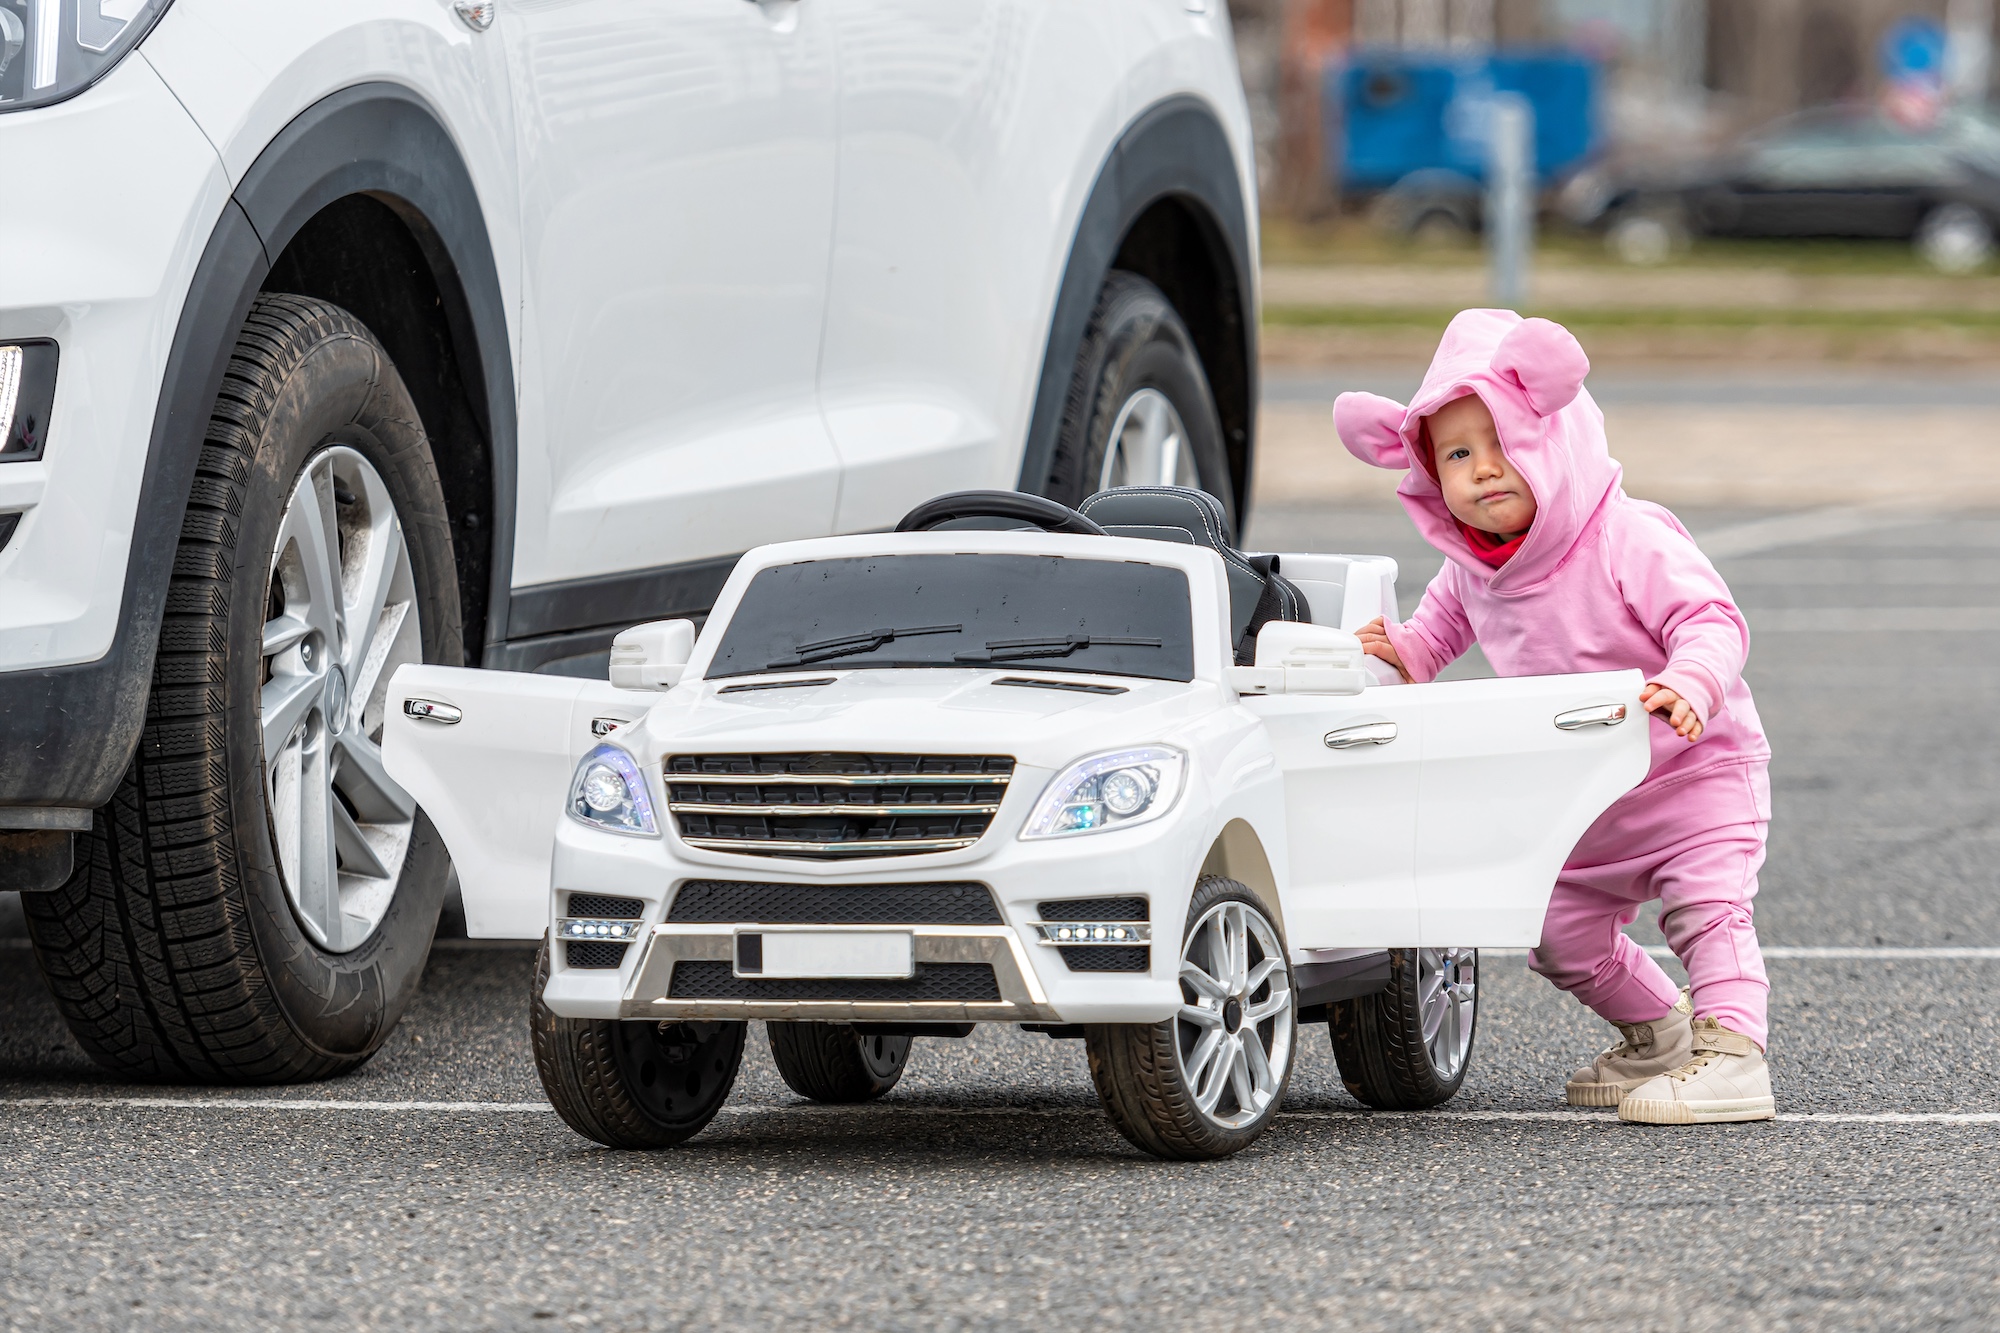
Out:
{"x": 174, "y": 951}
{"x": 1379, "y": 1041}
{"x": 632, "y": 1083}
{"x": 1139, "y": 1068}
{"x": 831, "y": 1062}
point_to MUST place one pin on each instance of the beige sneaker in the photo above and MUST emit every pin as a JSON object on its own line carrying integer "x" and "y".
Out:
{"x": 1649, "y": 1049}
{"x": 1725, "y": 1079}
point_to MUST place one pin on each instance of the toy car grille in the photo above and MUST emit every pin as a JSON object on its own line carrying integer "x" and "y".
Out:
{"x": 593, "y": 953}
{"x": 1106, "y": 957}
{"x": 934, "y": 983}
{"x": 828, "y": 806}
{"x": 1087, "y": 909}
{"x": 718, "y": 900}
{"x": 603, "y": 905}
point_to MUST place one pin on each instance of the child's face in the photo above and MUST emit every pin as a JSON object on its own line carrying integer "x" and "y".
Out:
{"x": 1481, "y": 488}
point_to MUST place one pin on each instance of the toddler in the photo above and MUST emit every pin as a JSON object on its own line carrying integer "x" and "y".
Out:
{"x": 1552, "y": 568}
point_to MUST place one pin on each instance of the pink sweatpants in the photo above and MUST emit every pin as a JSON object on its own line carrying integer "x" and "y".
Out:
{"x": 1696, "y": 846}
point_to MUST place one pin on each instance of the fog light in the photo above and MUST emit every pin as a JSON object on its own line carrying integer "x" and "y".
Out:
{"x": 572, "y": 928}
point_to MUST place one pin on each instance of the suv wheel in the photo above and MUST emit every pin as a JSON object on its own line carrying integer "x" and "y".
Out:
{"x": 256, "y": 903}
{"x": 831, "y": 1062}
{"x": 1409, "y": 1046}
{"x": 1139, "y": 411}
{"x": 1206, "y": 1083}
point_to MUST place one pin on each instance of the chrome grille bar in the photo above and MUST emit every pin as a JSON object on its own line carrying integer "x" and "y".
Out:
{"x": 839, "y": 779}
{"x": 876, "y": 847}
{"x": 698, "y": 808}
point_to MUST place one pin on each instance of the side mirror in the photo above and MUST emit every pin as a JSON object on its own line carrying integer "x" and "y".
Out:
{"x": 652, "y": 656}
{"x": 1303, "y": 659}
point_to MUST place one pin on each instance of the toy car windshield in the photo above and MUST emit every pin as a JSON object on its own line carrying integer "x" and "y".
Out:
{"x": 1054, "y": 613}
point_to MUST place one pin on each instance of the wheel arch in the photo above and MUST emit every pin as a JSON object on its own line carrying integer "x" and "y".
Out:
{"x": 1238, "y": 853}
{"x": 1167, "y": 204}
{"x": 381, "y": 141}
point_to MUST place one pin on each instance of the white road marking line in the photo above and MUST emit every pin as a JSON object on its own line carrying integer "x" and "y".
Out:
{"x": 1812, "y": 525}
{"x": 1880, "y": 953}
{"x": 732, "y": 1112}
{"x": 1876, "y": 619}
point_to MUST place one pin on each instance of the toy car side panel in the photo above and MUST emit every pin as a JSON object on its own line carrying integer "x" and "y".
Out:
{"x": 493, "y": 781}
{"x": 1350, "y": 814}
{"x": 1507, "y": 792}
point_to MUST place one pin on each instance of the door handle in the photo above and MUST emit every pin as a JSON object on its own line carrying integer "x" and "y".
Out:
{"x": 1365, "y": 733}
{"x": 1600, "y": 715}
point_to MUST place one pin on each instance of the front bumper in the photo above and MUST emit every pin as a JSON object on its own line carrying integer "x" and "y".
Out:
{"x": 1020, "y": 995}
{"x": 1033, "y": 981}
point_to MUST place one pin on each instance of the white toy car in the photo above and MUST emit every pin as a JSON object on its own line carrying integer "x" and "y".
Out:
{"x": 1106, "y": 777}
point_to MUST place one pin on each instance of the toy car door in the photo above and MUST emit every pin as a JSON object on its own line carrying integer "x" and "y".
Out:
{"x": 1351, "y": 767}
{"x": 489, "y": 756}
{"x": 1514, "y": 771}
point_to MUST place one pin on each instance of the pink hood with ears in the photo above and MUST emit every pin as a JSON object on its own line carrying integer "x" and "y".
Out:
{"x": 1529, "y": 373}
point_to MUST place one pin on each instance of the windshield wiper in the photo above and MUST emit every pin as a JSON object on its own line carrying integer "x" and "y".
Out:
{"x": 823, "y": 650}
{"x": 1014, "y": 650}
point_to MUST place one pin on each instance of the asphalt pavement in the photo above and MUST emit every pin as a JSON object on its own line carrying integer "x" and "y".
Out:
{"x": 434, "y": 1189}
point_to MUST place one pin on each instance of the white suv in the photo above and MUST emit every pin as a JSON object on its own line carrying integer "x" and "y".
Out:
{"x": 339, "y": 337}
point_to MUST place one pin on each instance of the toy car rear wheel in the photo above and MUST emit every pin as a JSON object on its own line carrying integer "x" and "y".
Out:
{"x": 1408, "y": 1047}
{"x": 632, "y": 1083}
{"x": 831, "y": 1062}
{"x": 1206, "y": 1082}
{"x": 256, "y": 903}
{"x": 1140, "y": 411}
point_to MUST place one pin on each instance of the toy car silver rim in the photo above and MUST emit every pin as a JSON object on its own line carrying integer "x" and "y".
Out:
{"x": 1447, "y": 995}
{"x": 340, "y": 617}
{"x": 1147, "y": 445}
{"x": 1234, "y": 1034}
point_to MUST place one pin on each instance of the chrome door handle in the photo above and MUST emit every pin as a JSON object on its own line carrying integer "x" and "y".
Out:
{"x": 1601, "y": 715}
{"x": 1365, "y": 733}
{"x": 430, "y": 710}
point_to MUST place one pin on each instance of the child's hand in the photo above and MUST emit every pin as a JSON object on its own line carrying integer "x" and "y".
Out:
{"x": 1375, "y": 642}
{"x": 1678, "y": 712}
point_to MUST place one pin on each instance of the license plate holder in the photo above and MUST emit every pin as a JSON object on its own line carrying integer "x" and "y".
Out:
{"x": 799, "y": 954}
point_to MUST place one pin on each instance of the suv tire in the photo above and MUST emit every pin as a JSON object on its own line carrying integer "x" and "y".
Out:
{"x": 1139, "y": 410}
{"x": 177, "y": 951}
{"x": 1154, "y": 1078}
{"x": 630, "y": 1083}
{"x": 831, "y": 1062}
{"x": 1408, "y": 1047}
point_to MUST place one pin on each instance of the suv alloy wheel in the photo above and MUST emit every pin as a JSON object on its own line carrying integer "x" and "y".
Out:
{"x": 257, "y": 901}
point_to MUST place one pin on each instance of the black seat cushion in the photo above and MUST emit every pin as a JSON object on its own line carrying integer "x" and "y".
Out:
{"x": 1258, "y": 594}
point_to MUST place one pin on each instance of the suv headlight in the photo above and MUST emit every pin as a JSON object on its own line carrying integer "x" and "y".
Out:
{"x": 1117, "y": 789}
{"x": 52, "y": 49}
{"x": 609, "y": 793}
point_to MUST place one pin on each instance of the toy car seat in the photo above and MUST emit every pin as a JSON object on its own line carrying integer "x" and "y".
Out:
{"x": 1258, "y": 594}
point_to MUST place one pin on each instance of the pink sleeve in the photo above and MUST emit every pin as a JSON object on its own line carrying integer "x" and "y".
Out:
{"x": 1437, "y": 635}
{"x": 1677, "y": 595}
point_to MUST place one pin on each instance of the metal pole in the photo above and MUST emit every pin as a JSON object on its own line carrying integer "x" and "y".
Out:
{"x": 1510, "y": 195}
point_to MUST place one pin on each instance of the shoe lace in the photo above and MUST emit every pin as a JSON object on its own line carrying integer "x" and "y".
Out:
{"x": 1695, "y": 1064}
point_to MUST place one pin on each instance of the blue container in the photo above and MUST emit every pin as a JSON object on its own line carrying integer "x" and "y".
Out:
{"x": 1396, "y": 112}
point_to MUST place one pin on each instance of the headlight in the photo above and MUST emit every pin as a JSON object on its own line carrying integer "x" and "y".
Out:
{"x": 1108, "y": 791}
{"x": 52, "y": 49}
{"x": 609, "y": 792}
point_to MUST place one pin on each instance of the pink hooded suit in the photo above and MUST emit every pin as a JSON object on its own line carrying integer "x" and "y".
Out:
{"x": 1602, "y": 582}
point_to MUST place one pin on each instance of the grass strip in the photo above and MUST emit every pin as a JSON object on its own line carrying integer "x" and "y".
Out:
{"x": 1855, "y": 321}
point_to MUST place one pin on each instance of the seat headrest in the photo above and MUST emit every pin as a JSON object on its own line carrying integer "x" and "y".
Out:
{"x": 1162, "y": 513}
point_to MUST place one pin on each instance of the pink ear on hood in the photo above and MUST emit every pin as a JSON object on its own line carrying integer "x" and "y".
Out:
{"x": 1546, "y": 360}
{"x": 1371, "y": 428}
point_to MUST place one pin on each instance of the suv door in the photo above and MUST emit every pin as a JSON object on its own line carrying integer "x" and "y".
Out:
{"x": 677, "y": 184}
{"x": 1514, "y": 771}
{"x": 941, "y": 273}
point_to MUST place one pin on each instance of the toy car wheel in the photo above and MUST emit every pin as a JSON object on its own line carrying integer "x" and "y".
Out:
{"x": 256, "y": 903}
{"x": 1408, "y": 1046}
{"x": 831, "y": 1062}
{"x": 632, "y": 1083}
{"x": 1955, "y": 238}
{"x": 1206, "y": 1083}
{"x": 1140, "y": 411}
